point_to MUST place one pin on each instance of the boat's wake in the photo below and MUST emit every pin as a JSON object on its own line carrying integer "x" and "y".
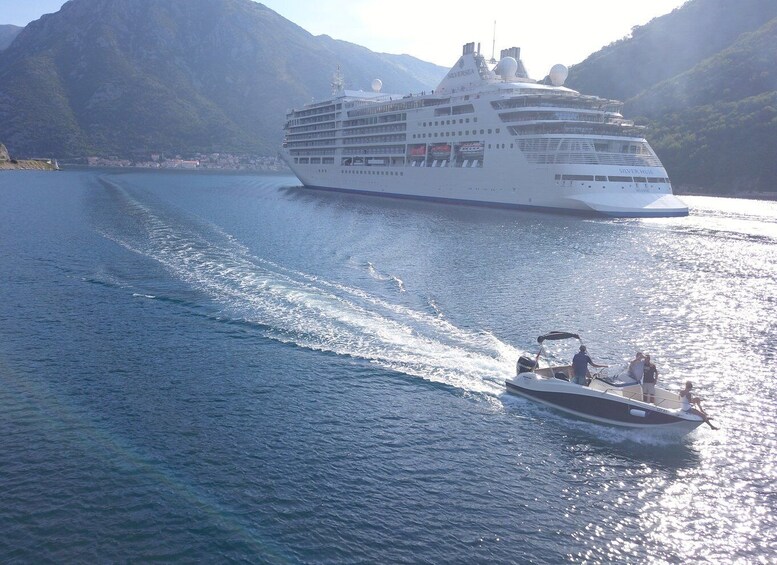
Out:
{"x": 306, "y": 310}
{"x": 377, "y": 275}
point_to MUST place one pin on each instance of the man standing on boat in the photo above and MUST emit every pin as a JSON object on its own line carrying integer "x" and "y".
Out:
{"x": 580, "y": 363}
{"x": 649, "y": 379}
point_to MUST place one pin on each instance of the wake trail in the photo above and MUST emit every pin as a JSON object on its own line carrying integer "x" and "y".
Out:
{"x": 306, "y": 310}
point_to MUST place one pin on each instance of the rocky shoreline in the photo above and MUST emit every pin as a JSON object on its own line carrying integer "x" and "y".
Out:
{"x": 8, "y": 164}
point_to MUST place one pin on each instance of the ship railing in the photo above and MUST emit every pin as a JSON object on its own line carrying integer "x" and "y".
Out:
{"x": 663, "y": 399}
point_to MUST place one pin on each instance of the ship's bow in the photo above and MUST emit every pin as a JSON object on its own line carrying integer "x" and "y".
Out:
{"x": 635, "y": 205}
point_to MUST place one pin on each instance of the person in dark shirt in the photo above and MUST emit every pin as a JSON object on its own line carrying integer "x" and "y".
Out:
{"x": 580, "y": 363}
{"x": 649, "y": 379}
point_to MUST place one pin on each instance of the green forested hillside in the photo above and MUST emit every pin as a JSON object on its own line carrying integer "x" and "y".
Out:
{"x": 715, "y": 125}
{"x": 139, "y": 76}
{"x": 668, "y": 45}
{"x": 746, "y": 68}
{"x": 704, "y": 79}
{"x": 722, "y": 148}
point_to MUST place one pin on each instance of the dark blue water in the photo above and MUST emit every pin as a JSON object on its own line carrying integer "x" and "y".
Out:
{"x": 213, "y": 368}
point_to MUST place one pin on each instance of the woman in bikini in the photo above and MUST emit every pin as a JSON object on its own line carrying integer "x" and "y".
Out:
{"x": 689, "y": 401}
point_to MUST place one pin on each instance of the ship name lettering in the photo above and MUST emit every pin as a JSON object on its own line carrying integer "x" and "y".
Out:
{"x": 454, "y": 74}
{"x": 636, "y": 171}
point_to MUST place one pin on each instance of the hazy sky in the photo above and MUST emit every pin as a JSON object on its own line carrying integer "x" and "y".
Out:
{"x": 547, "y": 31}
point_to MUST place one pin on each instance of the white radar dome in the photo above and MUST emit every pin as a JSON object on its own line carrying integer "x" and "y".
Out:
{"x": 507, "y": 67}
{"x": 558, "y": 74}
{"x": 377, "y": 84}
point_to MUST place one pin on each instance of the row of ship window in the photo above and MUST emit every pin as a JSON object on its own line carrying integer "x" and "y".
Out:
{"x": 545, "y": 128}
{"x": 448, "y": 122}
{"x": 385, "y": 108}
{"x": 375, "y": 120}
{"x": 368, "y": 172}
{"x": 317, "y": 119}
{"x": 326, "y": 109}
{"x": 566, "y": 102}
{"x": 450, "y": 133}
{"x": 603, "y": 178}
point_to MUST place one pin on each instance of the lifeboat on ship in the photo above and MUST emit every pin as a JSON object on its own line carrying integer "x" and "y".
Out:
{"x": 471, "y": 149}
{"x": 442, "y": 151}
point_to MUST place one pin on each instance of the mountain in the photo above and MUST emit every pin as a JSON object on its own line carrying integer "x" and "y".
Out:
{"x": 7, "y": 34}
{"x": 142, "y": 76}
{"x": 668, "y": 45}
{"x": 703, "y": 79}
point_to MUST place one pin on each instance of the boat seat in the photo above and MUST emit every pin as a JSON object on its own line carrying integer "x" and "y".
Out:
{"x": 561, "y": 376}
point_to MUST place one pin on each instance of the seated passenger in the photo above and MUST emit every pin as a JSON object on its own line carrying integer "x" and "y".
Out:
{"x": 689, "y": 400}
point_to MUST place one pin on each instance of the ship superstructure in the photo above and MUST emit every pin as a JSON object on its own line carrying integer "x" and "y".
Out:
{"x": 485, "y": 135}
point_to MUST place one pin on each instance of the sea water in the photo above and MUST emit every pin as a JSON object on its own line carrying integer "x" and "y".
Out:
{"x": 215, "y": 367}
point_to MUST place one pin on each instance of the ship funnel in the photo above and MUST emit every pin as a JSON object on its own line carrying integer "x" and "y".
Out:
{"x": 468, "y": 48}
{"x": 515, "y": 54}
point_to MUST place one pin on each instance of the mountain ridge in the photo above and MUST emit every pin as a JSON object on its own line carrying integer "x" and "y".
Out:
{"x": 8, "y": 33}
{"x": 139, "y": 76}
{"x": 667, "y": 46}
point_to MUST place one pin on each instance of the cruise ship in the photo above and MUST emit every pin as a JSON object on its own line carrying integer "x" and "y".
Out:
{"x": 487, "y": 135}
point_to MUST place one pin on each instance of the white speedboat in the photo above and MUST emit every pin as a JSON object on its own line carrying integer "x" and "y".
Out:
{"x": 607, "y": 401}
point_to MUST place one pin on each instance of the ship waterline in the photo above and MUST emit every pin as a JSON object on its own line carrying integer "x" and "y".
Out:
{"x": 486, "y": 135}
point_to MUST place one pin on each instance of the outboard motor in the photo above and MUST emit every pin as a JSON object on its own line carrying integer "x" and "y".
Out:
{"x": 525, "y": 365}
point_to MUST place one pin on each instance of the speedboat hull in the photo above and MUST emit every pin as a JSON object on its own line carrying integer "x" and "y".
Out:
{"x": 605, "y": 403}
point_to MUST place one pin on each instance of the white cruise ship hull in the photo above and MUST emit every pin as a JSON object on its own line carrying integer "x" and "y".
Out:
{"x": 484, "y": 136}
{"x": 528, "y": 189}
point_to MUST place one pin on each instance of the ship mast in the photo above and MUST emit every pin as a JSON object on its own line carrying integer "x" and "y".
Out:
{"x": 493, "y": 46}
